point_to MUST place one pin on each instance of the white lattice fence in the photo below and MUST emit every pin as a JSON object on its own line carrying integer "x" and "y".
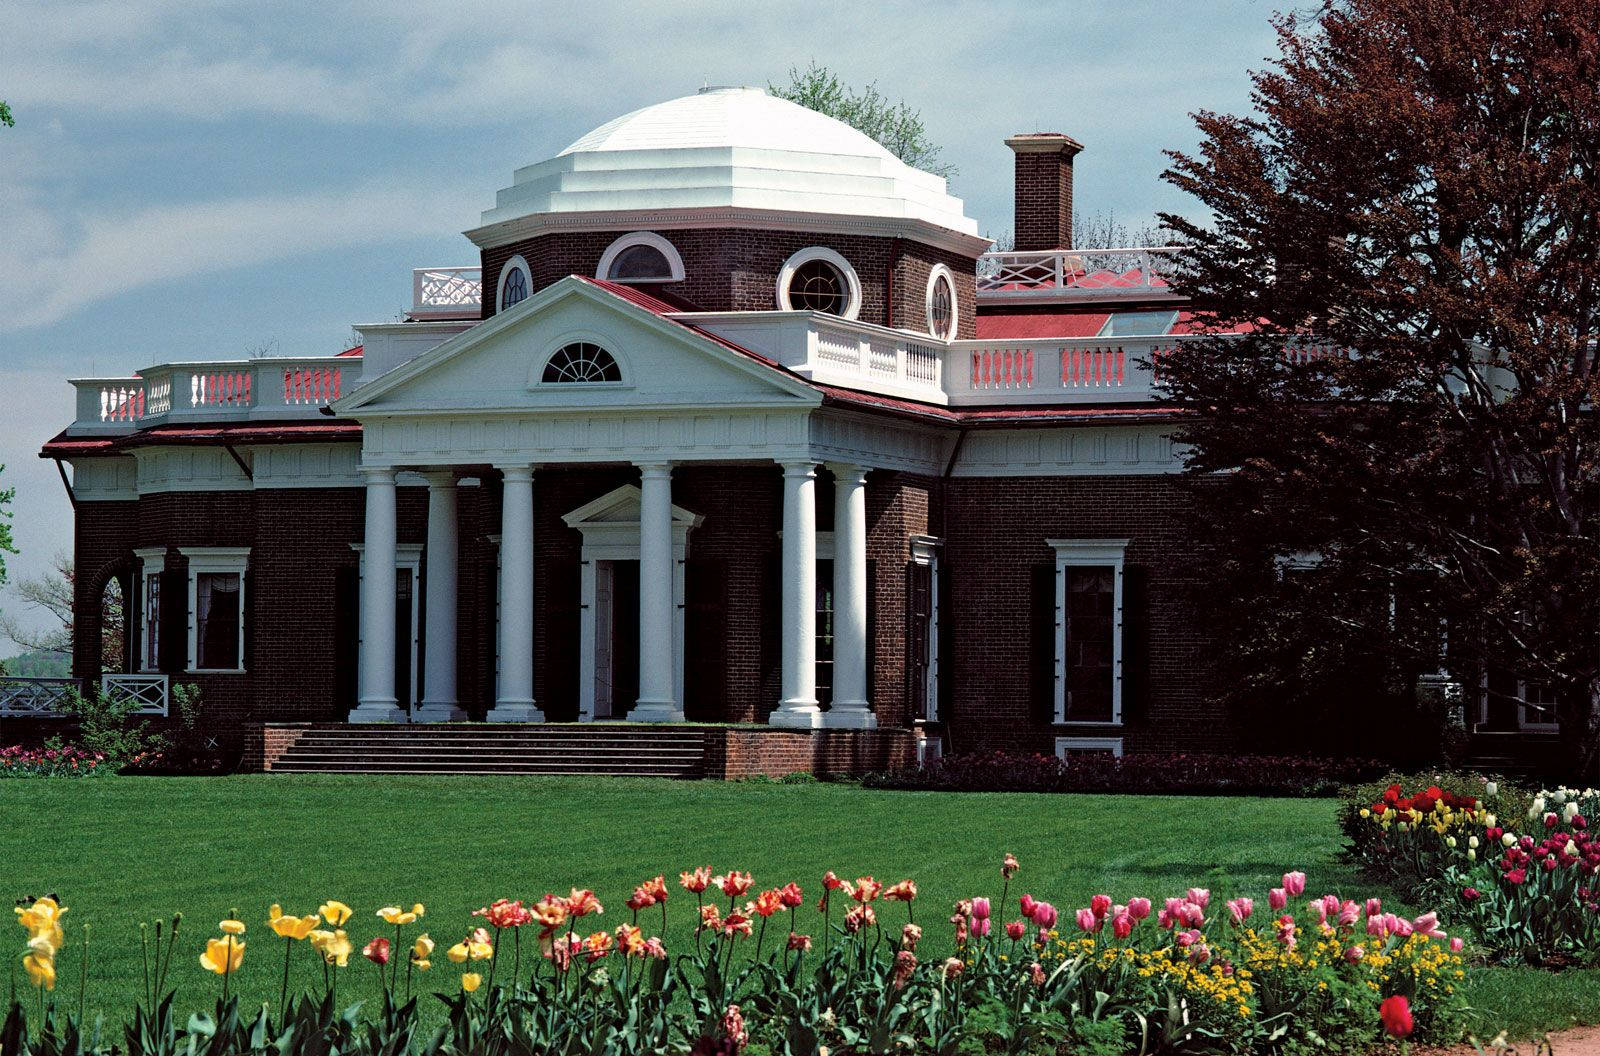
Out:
{"x": 147, "y": 692}
{"x": 34, "y": 697}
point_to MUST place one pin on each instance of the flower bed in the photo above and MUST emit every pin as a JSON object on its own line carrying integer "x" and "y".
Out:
{"x": 848, "y": 971}
{"x": 1526, "y": 879}
{"x": 1176, "y": 773}
{"x": 18, "y": 761}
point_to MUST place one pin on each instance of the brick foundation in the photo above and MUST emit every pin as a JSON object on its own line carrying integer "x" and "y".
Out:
{"x": 751, "y": 752}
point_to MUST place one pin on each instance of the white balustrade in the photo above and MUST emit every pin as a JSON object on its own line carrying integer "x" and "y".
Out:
{"x": 240, "y": 390}
{"x": 34, "y": 697}
{"x": 444, "y": 293}
{"x": 147, "y": 693}
{"x": 1139, "y": 272}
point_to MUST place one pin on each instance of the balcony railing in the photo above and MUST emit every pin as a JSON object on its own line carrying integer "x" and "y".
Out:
{"x": 1056, "y": 370}
{"x": 255, "y": 389}
{"x": 47, "y": 698}
{"x": 446, "y": 293}
{"x": 834, "y": 351}
{"x": 1139, "y": 273}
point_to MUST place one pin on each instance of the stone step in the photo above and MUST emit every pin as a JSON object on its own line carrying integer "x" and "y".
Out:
{"x": 460, "y": 772}
{"x": 563, "y": 758}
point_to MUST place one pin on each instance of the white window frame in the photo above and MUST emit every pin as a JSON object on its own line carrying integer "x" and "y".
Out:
{"x": 152, "y": 563}
{"x": 941, "y": 271}
{"x": 214, "y": 559}
{"x": 640, "y": 238}
{"x": 852, "y": 281}
{"x": 1522, "y": 712}
{"x": 407, "y": 556}
{"x": 518, "y": 261}
{"x": 1087, "y": 744}
{"x": 1088, "y": 553}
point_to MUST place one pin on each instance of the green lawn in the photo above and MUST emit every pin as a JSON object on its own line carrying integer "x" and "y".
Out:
{"x": 129, "y": 849}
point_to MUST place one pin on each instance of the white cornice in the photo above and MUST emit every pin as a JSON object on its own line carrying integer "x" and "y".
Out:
{"x": 522, "y": 227}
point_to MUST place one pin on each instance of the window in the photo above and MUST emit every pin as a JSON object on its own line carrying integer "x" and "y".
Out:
{"x": 1139, "y": 324}
{"x": 819, "y": 280}
{"x": 515, "y": 283}
{"x": 152, "y": 563}
{"x": 1069, "y": 747}
{"x": 922, "y": 628}
{"x": 581, "y": 362}
{"x": 1537, "y": 707}
{"x": 1089, "y": 575}
{"x": 941, "y": 303}
{"x": 216, "y": 607}
{"x": 642, "y": 256}
{"x": 824, "y": 633}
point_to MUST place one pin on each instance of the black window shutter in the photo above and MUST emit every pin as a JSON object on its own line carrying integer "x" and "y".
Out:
{"x": 249, "y": 581}
{"x": 872, "y": 634}
{"x": 1042, "y": 642}
{"x": 133, "y": 622}
{"x": 346, "y": 637}
{"x": 919, "y": 599}
{"x": 173, "y": 648}
{"x": 1135, "y": 642}
{"x": 705, "y": 678}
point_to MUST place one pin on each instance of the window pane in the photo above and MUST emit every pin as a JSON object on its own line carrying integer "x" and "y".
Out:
{"x": 1139, "y": 324}
{"x": 824, "y": 667}
{"x": 217, "y": 621}
{"x": 817, "y": 286}
{"x": 152, "y": 621}
{"x": 1091, "y": 630}
{"x": 640, "y": 262}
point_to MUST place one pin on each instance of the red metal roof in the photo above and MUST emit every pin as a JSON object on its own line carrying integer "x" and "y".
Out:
{"x": 1021, "y": 325}
{"x": 63, "y": 446}
{"x": 351, "y": 351}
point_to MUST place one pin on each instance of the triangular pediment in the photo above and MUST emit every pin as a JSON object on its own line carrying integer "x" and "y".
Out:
{"x": 621, "y": 506}
{"x": 500, "y": 364}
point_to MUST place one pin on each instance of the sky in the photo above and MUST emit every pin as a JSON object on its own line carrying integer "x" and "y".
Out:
{"x": 191, "y": 180}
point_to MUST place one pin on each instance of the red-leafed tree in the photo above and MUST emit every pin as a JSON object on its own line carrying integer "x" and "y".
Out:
{"x": 1417, "y": 184}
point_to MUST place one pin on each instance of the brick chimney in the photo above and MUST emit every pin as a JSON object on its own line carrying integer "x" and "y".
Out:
{"x": 1043, "y": 189}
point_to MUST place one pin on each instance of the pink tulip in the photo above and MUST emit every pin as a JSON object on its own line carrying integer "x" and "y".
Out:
{"x": 1100, "y": 905}
{"x": 1319, "y": 911}
{"x": 1187, "y": 938}
{"x": 1374, "y": 906}
{"x": 1330, "y": 906}
{"x": 1138, "y": 908}
{"x": 1354, "y": 954}
{"x": 1349, "y": 913}
{"x": 1375, "y": 926}
{"x": 1294, "y": 884}
{"x": 1165, "y": 920}
{"x": 980, "y": 927}
{"x": 1428, "y": 924}
{"x": 980, "y": 909}
{"x": 1122, "y": 925}
{"x": 1277, "y": 898}
{"x": 1044, "y": 915}
{"x": 1199, "y": 896}
{"x": 1087, "y": 920}
{"x": 1456, "y": 944}
{"x": 1241, "y": 908}
{"x": 1027, "y": 906}
{"x": 1200, "y": 954}
{"x": 1016, "y": 929}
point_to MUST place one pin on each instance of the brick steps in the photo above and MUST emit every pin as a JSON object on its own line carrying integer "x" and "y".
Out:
{"x": 641, "y": 751}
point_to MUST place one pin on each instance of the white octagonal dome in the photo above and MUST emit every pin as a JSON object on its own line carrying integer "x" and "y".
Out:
{"x": 720, "y": 155}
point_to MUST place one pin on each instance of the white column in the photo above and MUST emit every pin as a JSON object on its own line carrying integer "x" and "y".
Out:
{"x": 377, "y": 700}
{"x": 798, "y": 703}
{"x": 849, "y": 708}
{"x": 439, "y": 633}
{"x": 657, "y": 619}
{"x": 515, "y": 702}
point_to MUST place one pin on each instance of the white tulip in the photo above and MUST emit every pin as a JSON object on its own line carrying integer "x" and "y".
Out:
{"x": 1472, "y": 841}
{"x": 1491, "y": 789}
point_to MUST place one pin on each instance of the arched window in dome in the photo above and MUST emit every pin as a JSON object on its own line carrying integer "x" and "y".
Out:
{"x": 941, "y": 303}
{"x": 515, "y": 283}
{"x": 641, "y": 256}
{"x": 581, "y": 362}
{"x": 817, "y": 279}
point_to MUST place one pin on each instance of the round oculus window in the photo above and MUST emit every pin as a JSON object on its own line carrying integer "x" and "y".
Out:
{"x": 514, "y": 288}
{"x": 941, "y": 308}
{"x": 817, "y": 286}
{"x": 638, "y": 262}
{"x": 581, "y": 362}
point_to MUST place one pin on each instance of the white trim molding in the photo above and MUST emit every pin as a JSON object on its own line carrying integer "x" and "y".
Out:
{"x": 1065, "y": 745}
{"x": 1088, "y": 553}
{"x": 152, "y": 563}
{"x": 640, "y": 238}
{"x": 831, "y": 257}
{"x": 214, "y": 559}
{"x": 942, "y": 272}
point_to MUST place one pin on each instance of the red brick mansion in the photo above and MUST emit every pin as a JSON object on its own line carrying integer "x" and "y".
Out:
{"x": 736, "y": 420}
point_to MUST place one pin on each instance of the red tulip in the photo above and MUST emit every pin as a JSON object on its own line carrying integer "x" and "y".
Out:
{"x": 1395, "y": 1012}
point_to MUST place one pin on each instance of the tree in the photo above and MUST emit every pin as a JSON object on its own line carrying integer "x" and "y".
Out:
{"x": 894, "y": 125}
{"x": 1105, "y": 231}
{"x": 1417, "y": 184}
{"x": 5, "y": 115}
{"x": 53, "y": 593}
{"x": 7, "y": 496}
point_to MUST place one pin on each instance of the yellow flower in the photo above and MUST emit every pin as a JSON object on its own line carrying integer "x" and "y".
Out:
{"x": 41, "y": 969}
{"x": 335, "y": 912}
{"x": 397, "y": 916}
{"x": 232, "y": 927}
{"x": 457, "y": 953}
{"x": 222, "y": 956}
{"x": 480, "y": 951}
{"x": 335, "y": 948}
{"x": 418, "y": 909}
{"x": 470, "y": 981}
{"x": 422, "y": 949}
{"x": 43, "y": 918}
{"x": 291, "y": 927}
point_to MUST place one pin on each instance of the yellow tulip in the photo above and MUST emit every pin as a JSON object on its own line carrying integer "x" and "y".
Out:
{"x": 293, "y": 927}
{"x": 335, "y": 912}
{"x": 417, "y": 908}
{"x": 457, "y": 953}
{"x": 336, "y": 950}
{"x": 421, "y": 966}
{"x": 319, "y": 938}
{"x": 42, "y": 919}
{"x": 41, "y": 970}
{"x": 470, "y": 981}
{"x": 232, "y": 927}
{"x": 422, "y": 949}
{"x": 397, "y": 916}
{"x": 480, "y": 951}
{"x": 222, "y": 956}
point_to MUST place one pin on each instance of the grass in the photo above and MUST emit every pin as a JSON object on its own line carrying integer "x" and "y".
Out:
{"x": 125, "y": 850}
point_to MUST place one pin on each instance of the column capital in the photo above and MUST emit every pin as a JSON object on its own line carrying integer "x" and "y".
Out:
{"x": 439, "y": 476}
{"x": 654, "y": 469}
{"x": 378, "y": 474}
{"x": 520, "y": 471}
{"x": 848, "y": 472}
{"x": 805, "y": 468}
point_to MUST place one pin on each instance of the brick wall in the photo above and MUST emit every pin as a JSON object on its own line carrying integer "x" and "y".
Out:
{"x": 898, "y": 507}
{"x": 747, "y": 752}
{"x": 737, "y": 270}
{"x": 1042, "y": 192}
{"x": 995, "y": 532}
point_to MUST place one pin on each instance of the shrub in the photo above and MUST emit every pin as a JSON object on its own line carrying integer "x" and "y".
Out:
{"x": 1177, "y": 773}
{"x": 107, "y": 728}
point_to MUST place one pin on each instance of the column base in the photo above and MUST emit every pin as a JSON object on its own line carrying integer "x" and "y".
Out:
{"x": 514, "y": 711}
{"x": 438, "y": 711}
{"x": 850, "y": 717}
{"x": 656, "y": 711}
{"x": 797, "y": 716}
{"x": 382, "y": 710}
